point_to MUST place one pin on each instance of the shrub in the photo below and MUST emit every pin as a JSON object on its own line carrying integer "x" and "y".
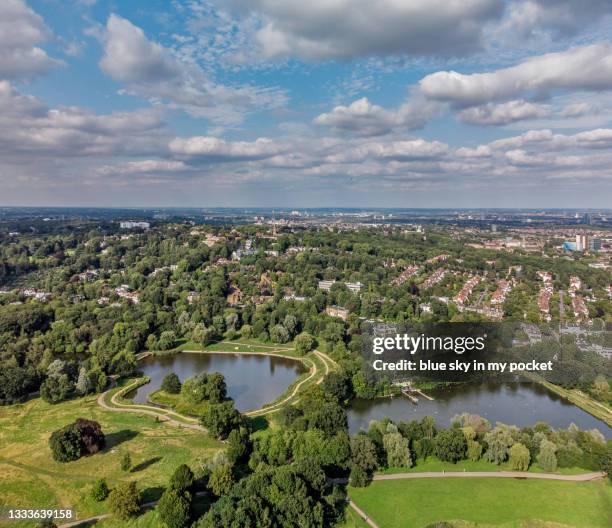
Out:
{"x": 100, "y": 490}
{"x": 124, "y": 500}
{"x": 171, "y": 384}
{"x": 304, "y": 343}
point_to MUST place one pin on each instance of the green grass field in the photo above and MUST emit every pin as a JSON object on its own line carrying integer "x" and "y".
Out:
{"x": 29, "y": 477}
{"x": 510, "y": 503}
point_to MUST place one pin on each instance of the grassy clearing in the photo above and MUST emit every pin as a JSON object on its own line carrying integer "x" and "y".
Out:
{"x": 433, "y": 464}
{"x": 511, "y": 503}
{"x": 177, "y": 403}
{"x": 29, "y": 477}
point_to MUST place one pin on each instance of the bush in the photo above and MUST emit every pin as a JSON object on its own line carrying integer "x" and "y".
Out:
{"x": 171, "y": 384}
{"x": 124, "y": 500}
{"x": 174, "y": 508}
{"x": 56, "y": 388}
{"x": 100, "y": 490}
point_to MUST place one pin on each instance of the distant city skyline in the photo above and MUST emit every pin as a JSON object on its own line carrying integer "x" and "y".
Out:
{"x": 328, "y": 103}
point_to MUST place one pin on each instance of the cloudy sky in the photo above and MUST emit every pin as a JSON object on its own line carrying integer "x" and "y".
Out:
{"x": 414, "y": 103}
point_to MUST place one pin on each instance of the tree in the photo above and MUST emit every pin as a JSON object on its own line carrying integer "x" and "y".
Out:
{"x": 547, "y": 459}
{"x": 124, "y": 500}
{"x": 498, "y": 441}
{"x": 239, "y": 445}
{"x": 450, "y": 445}
{"x": 396, "y": 447}
{"x": 167, "y": 340}
{"x": 337, "y": 385}
{"x": 56, "y": 388}
{"x": 474, "y": 450}
{"x": 83, "y": 437}
{"x": 92, "y": 437}
{"x": 221, "y": 480}
{"x": 171, "y": 384}
{"x": 83, "y": 385}
{"x": 519, "y": 457}
{"x": 174, "y": 508}
{"x": 182, "y": 479}
{"x": 221, "y": 418}
{"x": 279, "y": 334}
{"x": 363, "y": 453}
{"x": 216, "y": 388}
{"x": 126, "y": 461}
{"x": 304, "y": 343}
{"x": 66, "y": 443}
{"x": 100, "y": 490}
{"x": 358, "y": 478}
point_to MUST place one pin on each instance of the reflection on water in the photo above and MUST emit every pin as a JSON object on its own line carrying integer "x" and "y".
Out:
{"x": 252, "y": 380}
{"x": 521, "y": 404}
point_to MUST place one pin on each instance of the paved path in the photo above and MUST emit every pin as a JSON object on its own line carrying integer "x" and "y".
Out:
{"x": 583, "y": 477}
{"x": 362, "y": 514}
{"x": 96, "y": 518}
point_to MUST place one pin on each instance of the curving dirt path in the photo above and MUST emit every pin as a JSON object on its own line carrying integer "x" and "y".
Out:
{"x": 162, "y": 415}
{"x": 179, "y": 420}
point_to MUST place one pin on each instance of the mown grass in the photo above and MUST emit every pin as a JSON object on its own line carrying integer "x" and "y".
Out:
{"x": 415, "y": 503}
{"x": 177, "y": 403}
{"x": 29, "y": 477}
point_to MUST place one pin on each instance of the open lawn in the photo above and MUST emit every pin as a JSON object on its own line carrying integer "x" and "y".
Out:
{"x": 510, "y": 503}
{"x": 29, "y": 477}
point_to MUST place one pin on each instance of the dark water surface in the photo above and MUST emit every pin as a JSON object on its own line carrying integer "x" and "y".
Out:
{"x": 521, "y": 404}
{"x": 252, "y": 379}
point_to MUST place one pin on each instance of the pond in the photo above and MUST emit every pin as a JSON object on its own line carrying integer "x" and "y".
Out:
{"x": 252, "y": 379}
{"x": 521, "y": 404}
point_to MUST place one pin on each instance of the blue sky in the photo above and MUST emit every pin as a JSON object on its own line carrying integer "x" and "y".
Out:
{"x": 415, "y": 103}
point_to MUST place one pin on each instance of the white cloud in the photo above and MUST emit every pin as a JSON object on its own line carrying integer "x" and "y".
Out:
{"x": 143, "y": 167}
{"x": 366, "y": 119}
{"x": 530, "y": 18}
{"x": 21, "y": 29}
{"x": 215, "y": 149}
{"x": 481, "y": 151}
{"x": 504, "y": 113}
{"x": 28, "y": 126}
{"x": 581, "y": 68}
{"x": 342, "y": 29}
{"x": 150, "y": 70}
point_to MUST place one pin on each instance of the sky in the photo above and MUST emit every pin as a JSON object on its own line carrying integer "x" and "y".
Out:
{"x": 318, "y": 103}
